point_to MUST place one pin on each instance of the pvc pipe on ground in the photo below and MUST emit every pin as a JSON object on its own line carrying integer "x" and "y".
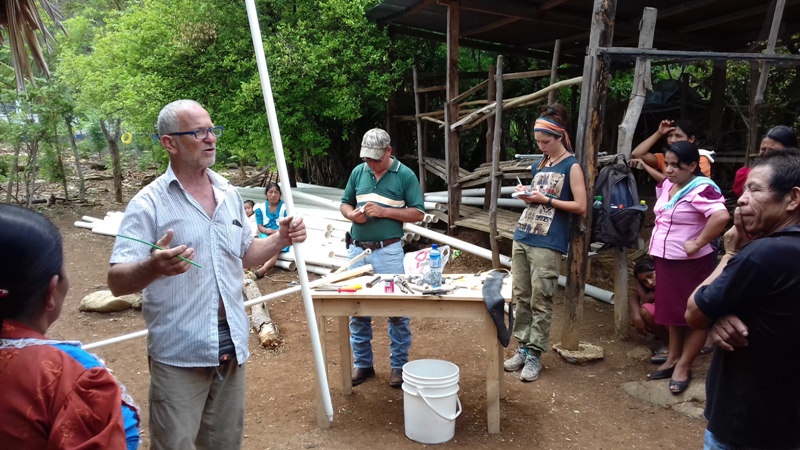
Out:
{"x": 477, "y": 192}
{"x": 286, "y": 265}
{"x": 318, "y": 270}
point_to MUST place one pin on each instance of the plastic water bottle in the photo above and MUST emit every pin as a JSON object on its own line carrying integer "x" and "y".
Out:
{"x": 435, "y": 262}
{"x": 598, "y": 202}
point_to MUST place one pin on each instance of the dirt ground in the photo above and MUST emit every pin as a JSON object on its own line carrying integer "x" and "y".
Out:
{"x": 569, "y": 407}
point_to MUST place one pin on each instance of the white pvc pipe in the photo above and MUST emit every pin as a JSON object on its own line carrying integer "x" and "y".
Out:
{"x": 477, "y": 192}
{"x": 287, "y": 265}
{"x": 332, "y": 278}
{"x": 478, "y": 201}
{"x": 318, "y": 270}
{"x": 283, "y": 173}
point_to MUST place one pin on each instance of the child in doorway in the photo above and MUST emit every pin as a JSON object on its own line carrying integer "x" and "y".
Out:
{"x": 249, "y": 209}
{"x": 267, "y": 221}
{"x": 643, "y": 307}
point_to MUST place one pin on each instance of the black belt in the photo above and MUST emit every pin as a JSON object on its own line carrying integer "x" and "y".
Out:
{"x": 375, "y": 244}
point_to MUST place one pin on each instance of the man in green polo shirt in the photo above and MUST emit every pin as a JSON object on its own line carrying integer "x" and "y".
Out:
{"x": 381, "y": 194}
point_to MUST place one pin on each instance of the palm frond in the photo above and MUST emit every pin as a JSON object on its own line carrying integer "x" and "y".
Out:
{"x": 21, "y": 19}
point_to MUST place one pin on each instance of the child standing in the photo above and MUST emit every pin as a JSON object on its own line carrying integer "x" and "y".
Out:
{"x": 267, "y": 221}
{"x": 643, "y": 307}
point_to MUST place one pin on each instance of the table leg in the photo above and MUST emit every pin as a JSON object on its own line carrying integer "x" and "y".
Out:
{"x": 493, "y": 390}
{"x": 345, "y": 361}
{"x": 322, "y": 418}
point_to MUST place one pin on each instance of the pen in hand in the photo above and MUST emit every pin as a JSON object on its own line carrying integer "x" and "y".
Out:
{"x": 159, "y": 248}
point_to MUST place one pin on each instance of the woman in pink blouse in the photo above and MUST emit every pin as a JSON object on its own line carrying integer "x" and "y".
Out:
{"x": 690, "y": 213}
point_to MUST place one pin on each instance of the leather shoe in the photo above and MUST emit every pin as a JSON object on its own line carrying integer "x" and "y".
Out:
{"x": 396, "y": 379}
{"x": 360, "y": 374}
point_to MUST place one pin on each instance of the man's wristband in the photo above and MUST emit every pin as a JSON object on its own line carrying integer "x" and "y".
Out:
{"x": 550, "y": 201}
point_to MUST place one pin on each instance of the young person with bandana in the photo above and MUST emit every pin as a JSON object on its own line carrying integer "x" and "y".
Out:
{"x": 558, "y": 190}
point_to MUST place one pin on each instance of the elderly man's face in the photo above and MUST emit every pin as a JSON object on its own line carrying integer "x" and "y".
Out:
{"x": 761, "y": 212}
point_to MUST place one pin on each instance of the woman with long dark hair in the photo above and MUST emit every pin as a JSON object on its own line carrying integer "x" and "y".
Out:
{"x": 55, "y": 395}
{"x": 690, "y": 213}
{"x": 777, "y": 138}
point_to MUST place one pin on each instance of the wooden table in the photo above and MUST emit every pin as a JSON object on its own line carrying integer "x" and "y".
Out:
{"x": 463, "y": 303}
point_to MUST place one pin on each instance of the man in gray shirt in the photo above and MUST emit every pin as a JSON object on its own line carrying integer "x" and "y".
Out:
{"x": 197, "y": 327}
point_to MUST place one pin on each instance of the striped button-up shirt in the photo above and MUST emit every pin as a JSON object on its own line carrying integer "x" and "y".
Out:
{"x": 181, "y": 312}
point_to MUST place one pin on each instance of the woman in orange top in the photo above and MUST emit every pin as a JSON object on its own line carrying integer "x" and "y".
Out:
{"x": 675, "y": 131}
{"x": 55, "y": 395}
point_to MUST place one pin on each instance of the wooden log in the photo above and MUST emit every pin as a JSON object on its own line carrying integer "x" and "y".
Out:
{"x": 523, "y": 75}
{"x": 588, "y": 140}
{"x": 451, "y": 136}
{"x": 551, "y": 97}
{"x": 268, "y": 333}
{"x": 420, "y": 136}
{"x": 495, "y": 188}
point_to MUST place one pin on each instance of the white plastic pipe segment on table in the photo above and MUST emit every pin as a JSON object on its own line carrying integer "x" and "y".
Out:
{"x": 266, "y": 89}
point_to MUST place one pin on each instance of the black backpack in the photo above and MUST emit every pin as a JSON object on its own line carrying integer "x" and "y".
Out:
{"x": 618, "y": 222}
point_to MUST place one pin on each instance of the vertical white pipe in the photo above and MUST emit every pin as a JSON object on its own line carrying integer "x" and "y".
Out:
{"x": 277, "y": 144}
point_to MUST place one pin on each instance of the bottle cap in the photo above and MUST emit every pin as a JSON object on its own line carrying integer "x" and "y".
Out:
{"x": 434, "y": 246}
{"x": 599, "y": 197}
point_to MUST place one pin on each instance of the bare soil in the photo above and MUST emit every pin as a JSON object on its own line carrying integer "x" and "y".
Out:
{"x": 569, "y": 407}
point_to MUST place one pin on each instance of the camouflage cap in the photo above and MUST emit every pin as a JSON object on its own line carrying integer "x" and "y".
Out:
{"x": 375, "y": 143}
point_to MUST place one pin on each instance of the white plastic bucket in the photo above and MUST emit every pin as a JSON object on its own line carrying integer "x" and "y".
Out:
{"x": 430, "y": 400}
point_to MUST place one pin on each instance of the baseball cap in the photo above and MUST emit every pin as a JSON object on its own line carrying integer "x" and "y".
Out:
{"x": 374, "y": 143}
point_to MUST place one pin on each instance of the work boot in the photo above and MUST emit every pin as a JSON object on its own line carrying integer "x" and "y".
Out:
{"x": 396, "y": 379}
{"x": 515, "y": 362}
{"x": 533, "y": 365}
{"x": 360, "y": 374}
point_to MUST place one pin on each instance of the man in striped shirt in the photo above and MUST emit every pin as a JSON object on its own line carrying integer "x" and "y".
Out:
{"x": 197, "y": 327}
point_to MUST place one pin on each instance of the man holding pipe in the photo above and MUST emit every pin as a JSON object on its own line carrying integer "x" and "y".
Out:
{"x": 750, "y": 303}
{"x": 197, "y": 327}
{"x": 381, "y": 195}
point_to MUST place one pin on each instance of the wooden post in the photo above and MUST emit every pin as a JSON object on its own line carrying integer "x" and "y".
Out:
{"x": 718, "y": 86}
{"x": 498, "y": 125}
{"x": 452, "y": 155}
{"x": 490, "y": 97}
{"x": 420, "y": 137}
{"x": 588, "y": 139}
{"x": 641, "y": 84}
{"x": 551, "y": 97}
{"x": 773, "y": 37}
{"x": 757, "y": 87}
{"x": 752, "y": 126}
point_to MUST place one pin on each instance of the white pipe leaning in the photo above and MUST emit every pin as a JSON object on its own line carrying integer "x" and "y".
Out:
{"x": 283, "y": 172}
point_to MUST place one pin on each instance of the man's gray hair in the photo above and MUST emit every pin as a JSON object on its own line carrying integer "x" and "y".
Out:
{"x": 168, "y": 117}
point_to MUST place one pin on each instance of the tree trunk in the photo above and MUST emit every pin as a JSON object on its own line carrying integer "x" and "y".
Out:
{"x": 30, "y": 181}
{"x": 14, "y": 175}
{"x": 60, "y": 161}
{"x": 113, "y": 148}
{"x": 77, "y": 155}
{"x": 260, "y": 321}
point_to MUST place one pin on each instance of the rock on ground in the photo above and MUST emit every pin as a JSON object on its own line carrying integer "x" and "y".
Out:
{"x": 104, "y": 301}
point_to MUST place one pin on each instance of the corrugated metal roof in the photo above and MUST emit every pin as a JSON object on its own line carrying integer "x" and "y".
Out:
{"x": 523, "y": 26}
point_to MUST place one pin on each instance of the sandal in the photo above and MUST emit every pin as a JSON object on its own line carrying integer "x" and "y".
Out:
{"x": 677, "y": 387}
{"x": 660, "y": 356}
{"x": 661, "y": 374}
{"x": 258, "y": 275}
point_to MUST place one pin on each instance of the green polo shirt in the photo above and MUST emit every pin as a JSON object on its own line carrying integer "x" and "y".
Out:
{"x": 397, "y": 188}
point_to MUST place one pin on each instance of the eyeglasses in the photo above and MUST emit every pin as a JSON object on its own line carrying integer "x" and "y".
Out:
{"x": 201, "y": 133}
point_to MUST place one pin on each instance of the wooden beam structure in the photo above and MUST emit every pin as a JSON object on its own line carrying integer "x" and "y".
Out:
{"x": 625, "y": 52}
{"x": 551, "y": 97}
{"x": 452, "y": 153}
{"x": 495, "y": 190}
{"x": 420, "y": 135}
{"x": 588, "y": 139}
{"x": 641, "y": 84}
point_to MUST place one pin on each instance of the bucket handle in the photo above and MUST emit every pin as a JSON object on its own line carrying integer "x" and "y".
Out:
{"x": 458, "y": 412}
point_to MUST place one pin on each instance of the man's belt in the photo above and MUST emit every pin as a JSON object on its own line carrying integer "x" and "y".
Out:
{"x": 375, "y": 244}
